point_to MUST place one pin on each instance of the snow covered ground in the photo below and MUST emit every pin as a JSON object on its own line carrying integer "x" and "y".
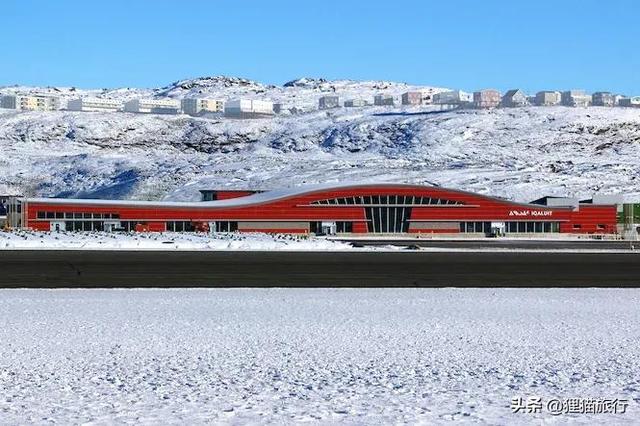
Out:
{"x": 358, "y": 356}
{"x": 519, "y": 153}
{"x": 177, "y": 241}
{"x": 26, "y": 239}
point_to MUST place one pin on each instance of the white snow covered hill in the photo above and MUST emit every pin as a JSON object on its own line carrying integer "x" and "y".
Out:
{"x": 519, "y": 153}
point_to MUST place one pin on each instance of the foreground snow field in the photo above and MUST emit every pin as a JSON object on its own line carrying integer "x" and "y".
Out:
{"x": 282, "y": 355}
{"x": 26, "y": 239}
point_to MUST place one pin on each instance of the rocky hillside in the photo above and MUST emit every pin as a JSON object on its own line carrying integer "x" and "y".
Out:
{"x": 519, "y": 153}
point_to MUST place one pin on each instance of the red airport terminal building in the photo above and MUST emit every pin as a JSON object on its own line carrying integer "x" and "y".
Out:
{"x": 338, "y": 209}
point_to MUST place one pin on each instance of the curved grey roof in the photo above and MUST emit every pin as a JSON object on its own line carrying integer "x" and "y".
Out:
{"x": 257, "y": 198}
{"x": 263, "y": 197}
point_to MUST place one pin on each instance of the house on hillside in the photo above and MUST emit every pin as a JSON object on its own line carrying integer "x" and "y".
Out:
{"x": 329, "y": 101}
{"x": 153, "y": 106}
{"x": 514, "y": 98}
{"x": 351, "y": 103}
{"x": 248, "y": 108}
{"x": 412, "y": 98}
{"x": 606, "y": 99}
{"x": 633, "y": 101}
{"x": 198, "y": 106}
{"x": 383, "y": 100}
{"x": 427, "y": 95}
{"x": 575, "y": 98}
{"x": 453, "y": 97}
{"x": 548, "y": 98}
{"x": 94, "y": 104}
{"x": 487, "y": 98}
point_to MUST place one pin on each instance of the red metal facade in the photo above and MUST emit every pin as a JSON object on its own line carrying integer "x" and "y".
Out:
{"x": 299, "y": 208}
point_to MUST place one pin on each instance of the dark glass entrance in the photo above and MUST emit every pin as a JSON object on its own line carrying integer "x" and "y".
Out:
{"x": 388, "y": 220}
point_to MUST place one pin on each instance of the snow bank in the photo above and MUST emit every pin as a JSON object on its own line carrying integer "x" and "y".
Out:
{"x": 25, "y": 239}
{"x": 176, "y": 241}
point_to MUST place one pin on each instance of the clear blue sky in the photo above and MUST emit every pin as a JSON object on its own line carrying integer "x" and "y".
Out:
{"x": 470, "y": 44}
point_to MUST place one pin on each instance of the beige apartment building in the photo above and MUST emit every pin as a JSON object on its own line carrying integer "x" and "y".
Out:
{"x": 30, "y": 102}
{"x": 197, "y": 106}
{"x": 548, "y": 98}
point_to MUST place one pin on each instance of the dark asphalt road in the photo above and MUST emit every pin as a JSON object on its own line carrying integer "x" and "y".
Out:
{"x": 317, "y": 269}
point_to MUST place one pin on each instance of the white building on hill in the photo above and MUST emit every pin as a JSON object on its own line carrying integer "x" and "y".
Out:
{"x": 153, "y": 106}
{"x": 351, "y": 103}
{"x": 412, "y": 98}
{"x": 548, "y": 98}
{"x": 606, "y": 99}
{"x": 486, "y": 98}
{"x": 633, "y": 101}
{"x": 329, "y": 101}
{"x": 576, "y": 98}
{"x": 30, "y": 102}
{"x": 94, "y": 104}
{"x": 453, "y": 97}
{"x": 427, "y": 95}
{"x": 383, "y": 100}
{"x": 514, "y": 98}
{"x": 248, "y": 108}
{"x": 197, "y": 106}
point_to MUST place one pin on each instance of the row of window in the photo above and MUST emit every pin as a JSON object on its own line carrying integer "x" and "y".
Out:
{"x": 77, "y": 225}
{"x": 475, "y": 227}
{"x": 224, "y": 226}
{"x": 543, "y": 226}
{"x": 91, "y": 225}
{"x": 386, "y": 200}
{"x": 180, "y": 226}
{"x": 76, "y": 215}
{"x": 188, "y": 226}
{"x": 528, "y": 227}
{"x": 511, "y": 227}
{"x": 341, "y": 227}
{"x": 174, "y": 226}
